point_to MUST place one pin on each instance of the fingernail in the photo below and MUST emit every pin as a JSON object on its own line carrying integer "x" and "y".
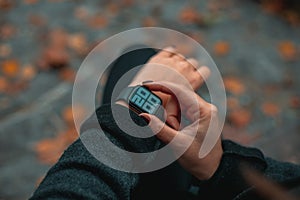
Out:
{"x": 145, "y": 117}
{"x": 148, "y": 81}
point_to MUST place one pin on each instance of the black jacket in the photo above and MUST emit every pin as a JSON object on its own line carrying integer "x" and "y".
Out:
{"x": 78, "y": 175}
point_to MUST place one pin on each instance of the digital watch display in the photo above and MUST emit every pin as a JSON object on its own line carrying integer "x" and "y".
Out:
{"x": 141, "y": 100}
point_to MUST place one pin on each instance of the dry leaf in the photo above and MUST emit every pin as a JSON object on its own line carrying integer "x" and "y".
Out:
{"x": 10, "y": 68}
{"x": 54, "y": 57}
{"x": 67, "y": 74}
{"x": 287, "y": 50}
{"x": 28, "y": 72}
{"x": 97, "y": 21}
{"x": 221, "y": 48}
{"x": 78, "y": 43}
{"x": 149, "y": 21}
{"x": 233, "y": 103}
{"x": 113, "y": 7}
{"x": 7, "y": 31}
{"x": 270, "y": 109}
{"x": 234, "y": 85}
{"x": 58, "y": 38}
{"x": 3, "y": 84}
{"x": 5, "y": 50}
{"x": 6, "y": 4}
{"x": 81, "y": 13}
{"x": 68, "y": 112}
{"x": 238, "y": 135}
{"x": 190, "y": 15}
{"x": 49, "y": 150}
{"x": 36, "y": 20}
{"x": 295, "y": 102}
{"x": 240, "y": 117}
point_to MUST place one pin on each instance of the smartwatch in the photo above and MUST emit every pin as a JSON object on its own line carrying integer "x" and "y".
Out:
{"x": 142, "y": 100}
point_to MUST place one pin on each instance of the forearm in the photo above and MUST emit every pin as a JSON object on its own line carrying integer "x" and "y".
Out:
{"x": 78, "y": 175}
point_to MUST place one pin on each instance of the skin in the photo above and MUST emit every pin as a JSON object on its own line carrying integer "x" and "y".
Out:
{"x": 164, "y": 84}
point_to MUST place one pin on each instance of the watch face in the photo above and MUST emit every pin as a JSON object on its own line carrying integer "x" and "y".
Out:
{"x": 143, "y": 100}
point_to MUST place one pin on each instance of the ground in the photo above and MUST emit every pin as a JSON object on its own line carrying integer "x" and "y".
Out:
{"x": 42, "y": 44}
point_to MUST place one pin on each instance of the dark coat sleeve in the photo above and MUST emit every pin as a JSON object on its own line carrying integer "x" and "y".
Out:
{"x": 228, "y": 181}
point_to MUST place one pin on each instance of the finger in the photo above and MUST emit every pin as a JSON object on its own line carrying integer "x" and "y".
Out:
{"x": 193, "y": 62}
{"x": 204, "y": 72}
{"x": 162, "y": 131}
{"x": 167, "y": 52}
{"x": 173, "y": 122}
{"x": 178, "y": 56}
{"x": 201, "y": 75}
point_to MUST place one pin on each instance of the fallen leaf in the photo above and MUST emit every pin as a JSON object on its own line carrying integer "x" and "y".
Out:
{"x": 233, "y": 103}
{"x": 98, "y": 21}
{"x": 5, "y": 50}
{"x": 6, "y": 4}
{"x": 287, "y": 50}
{"x": 3, "y": 84}
{"x": 7, "y": 31}
{"x": 190, "y": 15}
{"x": 149, "y": 22}
{"x": 54, "y": 57}
{"x": 240, "y": 117}
{"x": 295, "y": 102}
{"x": 234, "y": 85}
{"x": 272, "y": 6}
{"x": 113, "y": 7}
{"x": 239, "y": 135}
{"x": 73, "y": 111}
{"x": 58, "y": 38}
{"x": 81, "y": 13}
{"x": 36, "y": 20}
{"x": 270, "y": 109}
{"x": 67, "y": 74}
{"x": 78, "y": 43}
{"x": 49, "y": 150}
{"x": 221, "y": 48}
{"x": 10, "y": 68}
{"x": 28, "y": 72}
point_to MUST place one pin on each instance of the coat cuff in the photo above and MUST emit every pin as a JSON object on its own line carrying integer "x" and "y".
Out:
{"x": 228, "y": 180}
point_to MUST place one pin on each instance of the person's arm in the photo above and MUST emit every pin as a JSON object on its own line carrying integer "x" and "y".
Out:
{"x": 229, "y": 180}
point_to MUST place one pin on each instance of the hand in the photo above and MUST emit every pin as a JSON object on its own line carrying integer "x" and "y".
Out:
{"x": 204, "y": 120}
{"x": 169, "y": 65}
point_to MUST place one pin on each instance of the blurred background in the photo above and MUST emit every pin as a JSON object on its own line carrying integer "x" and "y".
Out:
{"x": 255, "y": 44}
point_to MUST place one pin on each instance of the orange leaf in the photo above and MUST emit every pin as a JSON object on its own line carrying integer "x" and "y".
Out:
{"x": 240, "y": 117}
{"x": 10, "y": 68}
{"x": 221, "y": 48}
{"x": 28, "y": 72}
{"x": 287, "y": 50}
{"x": 232, "y": 103}
{"x": 7, "y": 31}
{"x": 149, "y": 21}
{"x": 295, "y": 102}
{"x": 5, "y": 50}
{"x": 78, "y": 43}
{"x": 190, "y": 15}
{"x": 98, "y": 21}
{"x": 3, "y": 84}
{"x": 270, "y": 109}
{"x": 67, "y": 74}
{"x": 234, "y": 85}
{"x": 68, "y": 113}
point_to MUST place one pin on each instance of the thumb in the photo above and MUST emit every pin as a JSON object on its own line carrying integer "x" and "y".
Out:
{"x": 162, "y": 131}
